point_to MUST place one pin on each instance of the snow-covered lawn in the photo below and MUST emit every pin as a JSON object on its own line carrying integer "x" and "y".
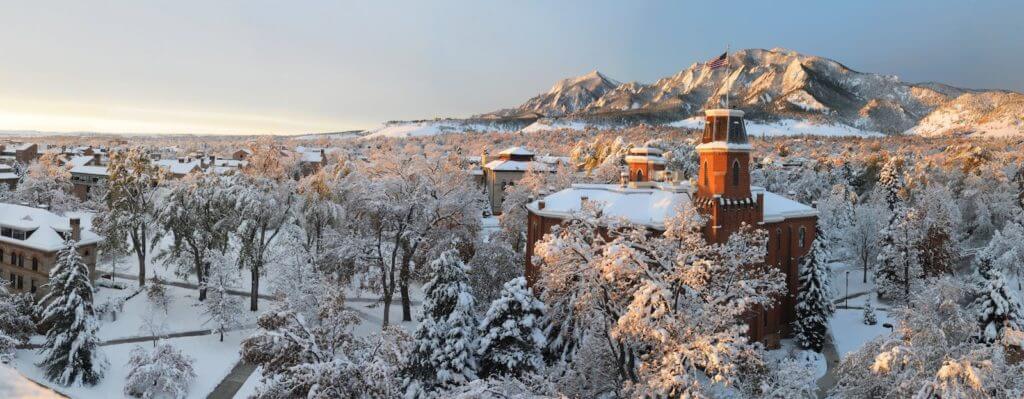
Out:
{"x": 213, "y": 361}
{"x": 185, "y": 313}
{"x": 850, "y": 332}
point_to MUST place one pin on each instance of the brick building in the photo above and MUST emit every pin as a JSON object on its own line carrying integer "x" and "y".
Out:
{"x": 29, "y": 241}
{"x": 649, "y": 195}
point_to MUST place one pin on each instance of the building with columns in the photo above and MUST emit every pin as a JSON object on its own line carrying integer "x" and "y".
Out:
{"x": 649, "y": 195}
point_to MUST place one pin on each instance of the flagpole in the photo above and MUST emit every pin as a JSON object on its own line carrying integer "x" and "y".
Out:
{"x": 728, "y": 71}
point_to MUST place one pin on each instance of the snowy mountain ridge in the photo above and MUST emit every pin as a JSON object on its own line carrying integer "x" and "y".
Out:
{"x": 777, "y": 85}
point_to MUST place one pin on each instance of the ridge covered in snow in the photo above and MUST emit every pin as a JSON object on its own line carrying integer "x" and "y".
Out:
{"x": 777, "y": 85}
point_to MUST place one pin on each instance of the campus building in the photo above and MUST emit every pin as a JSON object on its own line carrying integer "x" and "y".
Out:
{"x": 649, "y": 195}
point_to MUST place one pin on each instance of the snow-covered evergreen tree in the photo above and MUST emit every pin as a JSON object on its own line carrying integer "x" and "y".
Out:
{"x": 1006, "y": 250}
{"x": 997, "y": 306}
{"x": 164, "y": 372}
{"x": 444, "y": 354}
{"x": 71, "y": 353}
{"x": 511, "y": 337}
{"x": 869, "y": 313}
{"x": 814, "y": 300}
{"x": 221, "y": 308}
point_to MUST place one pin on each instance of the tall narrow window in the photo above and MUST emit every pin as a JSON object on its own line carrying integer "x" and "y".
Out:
{"x": 735, "y": 172}
{"x": 801, "y": 234}
{"x": 706, "y": 171}
{"x": 639, "y": 175}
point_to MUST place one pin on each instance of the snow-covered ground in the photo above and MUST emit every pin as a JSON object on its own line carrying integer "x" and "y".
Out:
{"x": 426, "y": 128}
{"x": 786, "y": 127}
{"x": 213, "y": 361}
{"x": 541, "y": 126}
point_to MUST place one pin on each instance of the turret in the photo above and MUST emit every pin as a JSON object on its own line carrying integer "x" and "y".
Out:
{"x": 724, "y": 156}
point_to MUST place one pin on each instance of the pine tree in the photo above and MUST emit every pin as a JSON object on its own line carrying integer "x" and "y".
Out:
{"x": 511, "y": 337}
{"x": 71, "y": 355}
{"x": 869, "y": 313}
{"x": 997, "y": 306}
{"x": 814, "y": 301}
{"x": 444, "y": 351}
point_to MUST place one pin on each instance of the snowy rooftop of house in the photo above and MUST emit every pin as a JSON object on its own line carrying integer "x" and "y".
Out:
{"x": 230, "y": 163}
{"x": 651, "y": 206}
{"x": 90, "y": 170}
{"x": 79, "y": 160}
{"x": 177, "y": 166}
{"x": 312, "y": 156}
{"x": 5, "y": 167}
{"x": 501, "y": 165}
{"x": 516, "y": 151}
{"x": 9, "y": 176}
{"x": 46, "y": 227}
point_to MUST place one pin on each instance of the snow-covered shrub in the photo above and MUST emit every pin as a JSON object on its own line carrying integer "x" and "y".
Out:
{"x": 511, "y": 335}
{"x": 156, "y": 293}
{"x": 160, "y": 373}
{"x": 869, "y": 313}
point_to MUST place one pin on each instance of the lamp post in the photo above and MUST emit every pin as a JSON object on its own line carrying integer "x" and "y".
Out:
{"x": 847, "y": 289}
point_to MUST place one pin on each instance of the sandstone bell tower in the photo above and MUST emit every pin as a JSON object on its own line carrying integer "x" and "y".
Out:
{"x": 723, "y": 184}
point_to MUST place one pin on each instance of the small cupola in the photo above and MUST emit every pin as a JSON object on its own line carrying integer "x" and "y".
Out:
{"x": 643, "y": 163}
{"x": 724, "y": 125}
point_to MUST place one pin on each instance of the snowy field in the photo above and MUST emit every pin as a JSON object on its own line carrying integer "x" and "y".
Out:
{"x": 786, "y": 127}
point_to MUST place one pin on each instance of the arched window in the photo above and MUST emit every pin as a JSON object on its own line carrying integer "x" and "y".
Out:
{"x": 735, "y": 172}
{"x": 639, "y": 175}
{"x": 706, "y": 171}
{"x": 801, "y": 234}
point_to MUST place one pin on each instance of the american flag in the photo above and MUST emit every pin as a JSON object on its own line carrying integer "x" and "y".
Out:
{"x": 718, "y": 62}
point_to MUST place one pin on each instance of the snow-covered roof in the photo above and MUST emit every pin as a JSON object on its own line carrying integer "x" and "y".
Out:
{"x": 502, "y": 165}
{"x": 651, "y": 206}
{"x": 178, "y": 167}
{"x": 516, "y": 151}
{"x": 90, "y": 170}
{"x": 45, "y": 227}
{"x": 648, "y": 206}
{"x": 229, "y": 163}
{"x": 312, "y": 156}
{"x": 9, "y": 176}
{"x": 5, "y": 167}
{"x": 80, "y": 160}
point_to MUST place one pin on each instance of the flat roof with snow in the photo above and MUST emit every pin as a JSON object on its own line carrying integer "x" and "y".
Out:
{"x": 652, "y": 206}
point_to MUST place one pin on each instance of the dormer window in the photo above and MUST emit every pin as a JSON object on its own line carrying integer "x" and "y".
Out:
{"x": 16, "y": 234}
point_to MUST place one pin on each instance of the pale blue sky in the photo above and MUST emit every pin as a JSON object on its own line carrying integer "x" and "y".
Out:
{"x": 300, "y": 66}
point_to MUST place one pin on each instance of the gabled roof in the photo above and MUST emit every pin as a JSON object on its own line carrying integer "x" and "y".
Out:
{"x": 46, "y": 227}
{"x": 516, "y": 151}
{"x": 502, "y": 165}
{"x": 91, "y": 170}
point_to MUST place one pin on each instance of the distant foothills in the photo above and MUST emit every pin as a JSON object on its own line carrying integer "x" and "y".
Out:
{"x": 783, "y": 89}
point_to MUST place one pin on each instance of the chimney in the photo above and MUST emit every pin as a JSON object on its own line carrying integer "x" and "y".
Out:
{"x": 76, "y": 229}
{"x": 583, "y": 201}
{"x": 760, "y": 204}
{"x": 97, "y": 158}
{"x": 483, "y": 158}
{"x": 540, "y": 204}
{"x": 623, "y": 178}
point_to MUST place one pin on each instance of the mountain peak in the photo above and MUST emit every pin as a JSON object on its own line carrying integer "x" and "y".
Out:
{"x": 591, "y": 81}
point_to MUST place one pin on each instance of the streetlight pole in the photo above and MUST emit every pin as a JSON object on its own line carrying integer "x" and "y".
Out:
{"x": 847, "y": 289}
